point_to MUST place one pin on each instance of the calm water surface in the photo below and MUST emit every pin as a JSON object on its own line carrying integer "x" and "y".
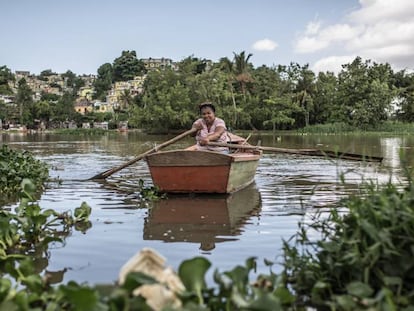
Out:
{"x": 225, "y": 229}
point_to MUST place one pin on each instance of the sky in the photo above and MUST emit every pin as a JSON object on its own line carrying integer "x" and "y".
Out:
{"x": 82, "y": 35}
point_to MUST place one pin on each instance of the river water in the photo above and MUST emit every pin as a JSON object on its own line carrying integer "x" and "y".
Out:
{"x": 225, "y": 229}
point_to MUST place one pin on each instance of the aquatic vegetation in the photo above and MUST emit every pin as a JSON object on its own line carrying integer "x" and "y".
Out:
{"x": 149, "y": 193}
{"x": 358, "y": 258}
{"x": 16, "y": 165}
{"x": 342, "y": 128}
{"x": 362, "y": 259}
{"x": 27, "y": 231}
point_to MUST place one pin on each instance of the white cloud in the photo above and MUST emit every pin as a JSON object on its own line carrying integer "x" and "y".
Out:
{"x": 339, "y": 32}
{"x": 372, "y": 11}
{"x": 332, "y": 63}
{"x": 326, "y": 37}
{"x": 383, "y": 34}
{"x": 380, "y": 30}
{"x": 265, "y": 45}
{"x": 310, "y": 44}
{"x": 312, "y": 28}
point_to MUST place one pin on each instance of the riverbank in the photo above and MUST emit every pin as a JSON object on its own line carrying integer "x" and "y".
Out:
{"x": 342, "y": 128}
{"x": 386, "y": 128}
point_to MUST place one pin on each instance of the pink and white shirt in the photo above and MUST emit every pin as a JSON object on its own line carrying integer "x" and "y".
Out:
{"x": 205, "y": 131}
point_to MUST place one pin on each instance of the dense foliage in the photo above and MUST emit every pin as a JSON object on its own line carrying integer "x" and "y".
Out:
{"x": 14, "y": 167}
{"x": 25, "y": 236}
{"x": 127, "y": 66}
{"x": 362, "y": 258}
{"x": 5, "y": 76}
{"x": 363, "y": 95}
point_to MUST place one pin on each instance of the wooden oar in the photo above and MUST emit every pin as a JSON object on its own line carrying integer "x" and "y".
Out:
{"x": 308, "y": 152}
{"x": 111, "y": 171}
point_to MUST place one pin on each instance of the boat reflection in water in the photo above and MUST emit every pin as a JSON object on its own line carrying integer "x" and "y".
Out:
{"x": 204, "y": 219}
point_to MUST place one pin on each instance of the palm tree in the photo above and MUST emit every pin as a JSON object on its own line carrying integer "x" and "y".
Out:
{"x": 126, "y": 99}
{"x": 241, "y": 70}
{"x": 228, "y": 68}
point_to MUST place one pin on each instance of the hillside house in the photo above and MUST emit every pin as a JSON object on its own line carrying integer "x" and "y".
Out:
{"x": 102, "y": 107}
{"x": 83, "y": 106}
{"x": 158, "y": 63}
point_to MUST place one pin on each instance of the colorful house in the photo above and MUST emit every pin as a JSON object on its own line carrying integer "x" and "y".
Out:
{"x": 83, "y": 106}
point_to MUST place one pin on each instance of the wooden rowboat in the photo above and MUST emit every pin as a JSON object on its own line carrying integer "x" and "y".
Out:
{"x": 192, "y": 171}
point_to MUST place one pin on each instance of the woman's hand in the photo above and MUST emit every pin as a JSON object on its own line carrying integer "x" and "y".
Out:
{"x": 204, "y": 141}
{"x": 212, "y": 137}
{"x": 198, "y": 125}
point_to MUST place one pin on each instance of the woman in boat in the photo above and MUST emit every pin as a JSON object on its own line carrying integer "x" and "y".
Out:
{"x": 210, "y": 129}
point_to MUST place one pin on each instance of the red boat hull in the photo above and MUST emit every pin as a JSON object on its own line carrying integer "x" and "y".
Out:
{"x": 186, "y": 171}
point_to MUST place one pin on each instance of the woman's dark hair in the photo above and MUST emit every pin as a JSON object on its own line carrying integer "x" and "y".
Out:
{"x": 207, "y": 104}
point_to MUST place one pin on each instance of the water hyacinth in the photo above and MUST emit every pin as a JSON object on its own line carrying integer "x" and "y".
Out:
{"x": 363, "y": 258}
{"x": 14, "y": 167}
{"x": 360, "y": 260}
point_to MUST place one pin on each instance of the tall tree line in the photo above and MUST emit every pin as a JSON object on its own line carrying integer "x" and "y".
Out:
{"x": 362, "y": 95}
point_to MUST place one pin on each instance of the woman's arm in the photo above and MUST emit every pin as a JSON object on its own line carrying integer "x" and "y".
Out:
{"x": 219, "y": 130}
{"x": 197, "y": 125}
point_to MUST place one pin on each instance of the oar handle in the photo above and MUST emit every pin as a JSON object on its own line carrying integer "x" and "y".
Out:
{"x": 308, "y": 152}
{"x": 111, "y": 171}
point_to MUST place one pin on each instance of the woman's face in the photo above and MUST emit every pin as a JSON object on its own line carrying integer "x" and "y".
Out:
{"x": 208, "y": 115}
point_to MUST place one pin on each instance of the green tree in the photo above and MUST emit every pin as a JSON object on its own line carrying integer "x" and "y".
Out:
{"x": 282, "y": 111}
{"x": 45, "y": 74}
{"x": 103, "y": 82}
{"x": 42, "y": 110}
{"x": 227, "y": 66}
{"x": 73, "y": 82}
{"x": 126, "y": 99}
{"x": 266, "y": 89}
{"x": 192, "y": 66}
{"x": 6, "y": 76}
{"x": 127, "y": 66}
{"x": 166, "y": 103}
{"x": 304, "y": 91}
{"x": 325, "y": 98}
{"x": 404, "y": 83}
{"x": 206, "y": 86}
{"x": 24, "y": 101}
{"x": 4, "y": 111}
{"x": 364, "y": 93}
{"x": 49, "y": 97}
{"x": 63, "y": 109}
{"x": 69, "y": 78}
{"x": 242, "y": 69}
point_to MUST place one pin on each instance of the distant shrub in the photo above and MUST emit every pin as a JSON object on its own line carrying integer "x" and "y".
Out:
{"x": 342, "y": 128}
{"x": 329, "y": 128}
{"x": 396, "y": 127}
{"x": 81, "y": 131}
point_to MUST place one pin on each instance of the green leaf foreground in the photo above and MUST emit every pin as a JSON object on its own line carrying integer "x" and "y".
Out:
{"x": 362, "y": 260}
